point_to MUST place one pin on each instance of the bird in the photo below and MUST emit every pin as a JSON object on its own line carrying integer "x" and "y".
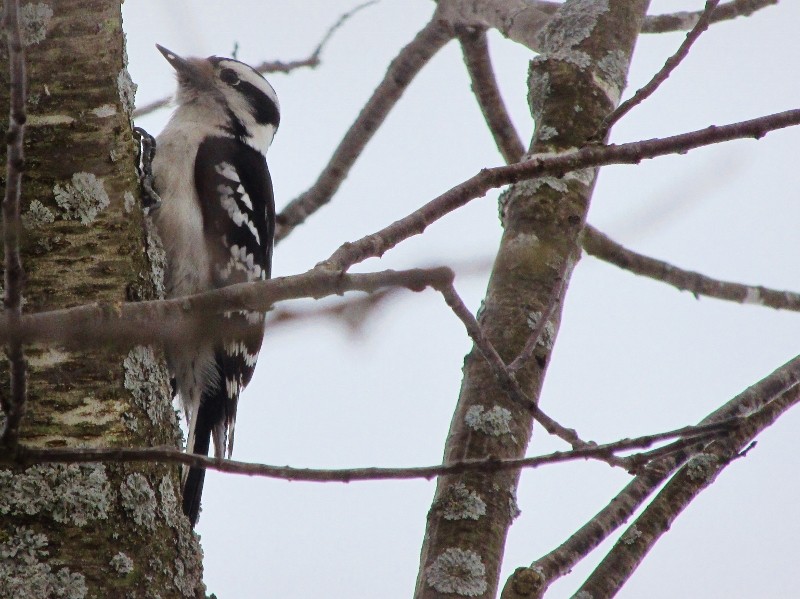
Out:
{"x": 214, "y": 210}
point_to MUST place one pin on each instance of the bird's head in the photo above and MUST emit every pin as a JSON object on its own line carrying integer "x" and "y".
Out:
{"x": 241, "y": 100}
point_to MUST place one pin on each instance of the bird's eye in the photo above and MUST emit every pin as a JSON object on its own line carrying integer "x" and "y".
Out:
{"x": 229, "y": 76}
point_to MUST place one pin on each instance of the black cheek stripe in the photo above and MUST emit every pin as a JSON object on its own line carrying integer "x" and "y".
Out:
{"x": 264, "y": 109}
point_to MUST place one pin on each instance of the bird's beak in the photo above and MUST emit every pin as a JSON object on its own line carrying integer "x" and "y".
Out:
{"x": 184, "y": 68}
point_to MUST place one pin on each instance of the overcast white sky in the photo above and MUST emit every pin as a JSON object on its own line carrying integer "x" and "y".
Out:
{"x": 632, "y": 357}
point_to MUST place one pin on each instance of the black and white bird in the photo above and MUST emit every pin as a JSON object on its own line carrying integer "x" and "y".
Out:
{"x": 216, "y": 219}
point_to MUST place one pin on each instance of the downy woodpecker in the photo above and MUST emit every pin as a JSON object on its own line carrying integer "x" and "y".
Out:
{"x": 216, "y": 218}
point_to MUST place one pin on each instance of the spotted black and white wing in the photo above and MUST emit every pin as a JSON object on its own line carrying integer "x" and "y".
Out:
{"x": 235, "y": 193}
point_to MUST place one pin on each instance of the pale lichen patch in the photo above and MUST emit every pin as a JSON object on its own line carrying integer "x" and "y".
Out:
{"x": 139, "y": 500}
{"x": 37, "y": 214}
{"x": 146, "y": 379}
{"x": 87, "y": 412}
{"x": 546, "y": 132}
{"x": 82, "y": 199}
{"x": 49, "y": 120}
{"x": 630, "y": 536}
{"x": 25, "y": 572}
{"x": 703, "y": 466}
{"x": 548, "y": 333}
{"x": 513, "y": 507}
{"x": 48, "y": 358}
{"x": 460, "y": 503}
{"x": 538, "y": 87}
{"x": 494, "y": 422}
{"x": 552, "y": 182}
{"x": 67, "y": 493}
{"x": 157, "y": 258}
{"x": 611, "y": 91}
{"x": 104, "y": 111}
{"x": 122, "y": 564}
{"x": 584, "y": 176}
{"x": 34, "y": 20}
{"x": 127, "y": 91}
{"x": 571, "y": 24}
{"x": 168, "y": 507}
{"x": 458, "y": 571}
{"x": 614, "y": 67}
{"x": 188, "y": 564}
{"x": 128, "y": 202}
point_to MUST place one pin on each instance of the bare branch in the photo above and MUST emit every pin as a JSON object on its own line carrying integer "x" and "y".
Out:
{"x": 683, "y": 21}
{"x": 693, "y": 478}
{"x": 275, "y": 66}
{"x": 415, "y": 223}
{"x": 663, "y": 74}
{"x": 14, "y": 404}
{"x": 506, "y": 379}
{"x": 332, "y": 29}
{"x": 484, "y": 85}
{"x": 601, "y": 246}
{"x": 26, "y": 456}
{"x": 401, "y": 72}
{"x": 94, "y": 325}
{"x": 561, "y": 560}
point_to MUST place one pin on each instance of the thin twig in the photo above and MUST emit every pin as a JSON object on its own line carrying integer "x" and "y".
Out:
{"x": 401, "y": 72}
{"x": 28, "y": 455}
{"x": 540, "y": 327}
{"x": 378, "y": 243}
{"x": 563, "y": 559}
{"x": 661, "y": 76}
{"x": 274, "y": 66}
{"x": 683, "y": 21}
{"x": 506, "y": 379}
{"x": 487, "y": 93}
{"x": 338, "y": 24}
{"x": 475, "y": 48}
{"x": 693, "y": 478}
{"x": 14, "y": 405}
{"x": 604, "y": 248}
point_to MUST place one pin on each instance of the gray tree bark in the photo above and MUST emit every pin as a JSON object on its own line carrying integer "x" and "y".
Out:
{"x": 573, "y": 84}
{"x": 92, "y": 530}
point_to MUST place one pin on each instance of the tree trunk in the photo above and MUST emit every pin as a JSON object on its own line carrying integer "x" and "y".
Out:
{"x": 92, "y": 530}
{"x": 573, "y": 85}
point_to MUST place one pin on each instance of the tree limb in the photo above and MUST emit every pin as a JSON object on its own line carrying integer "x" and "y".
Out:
{"x": 484, "y": 85}
{"x": 401, "y": 72}
{"x": 559, "y": 562}
{"x": 693, "y": 478}
{"x": 506, "y": 379}
{"x": 604, "y": 248}
{"x": 94, "y": 325}
{"x": 378, "y": 243}
{"x": 663, "y": 74}
{"x": 26, "y": 456}
{"x": 683, "y": 21}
